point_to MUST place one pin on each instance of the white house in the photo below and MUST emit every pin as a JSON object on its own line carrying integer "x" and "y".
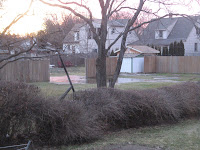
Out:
{"x": 80, "y": 38}
{"x": 165, "y": 31}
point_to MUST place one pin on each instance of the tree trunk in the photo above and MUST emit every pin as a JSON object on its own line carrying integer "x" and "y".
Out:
{"x": 101, "y": 67}
{"x": 119, "y": 62}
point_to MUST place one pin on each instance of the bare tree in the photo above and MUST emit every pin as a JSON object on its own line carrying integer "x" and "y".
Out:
{"x": 56, "y": 30}
{"x": 7, "y": 40}
{"x": 108, "y": 9}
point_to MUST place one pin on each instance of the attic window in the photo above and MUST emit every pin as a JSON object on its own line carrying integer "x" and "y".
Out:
{"x": 197, "y": 30}
{"x": 160, "y": 34}
{"x": 76, "y": 36}
{"x": 113, "y": 30}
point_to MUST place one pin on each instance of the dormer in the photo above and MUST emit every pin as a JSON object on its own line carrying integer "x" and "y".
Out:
{"x": 161, "y": 34}
{"x": 164, "y": 28}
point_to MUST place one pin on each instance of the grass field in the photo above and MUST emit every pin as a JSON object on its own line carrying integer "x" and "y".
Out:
{"x": 50, "y": 89}
{"x": 184, "y": 135}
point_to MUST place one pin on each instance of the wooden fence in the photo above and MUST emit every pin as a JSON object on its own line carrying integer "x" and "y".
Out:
{"x": 90, "y": 65}
{"x": 26, "y": 71}
{"x": 172, "y": 64}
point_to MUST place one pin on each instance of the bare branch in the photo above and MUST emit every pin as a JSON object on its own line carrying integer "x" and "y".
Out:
{"x": 31, "y": 58}
{"x": 88, "y": 21}
{"x": 110, "y": 14}
{"x": 16, "y": 19}
{"x": 4, "y": 59}
{"x": 80, "y": 5}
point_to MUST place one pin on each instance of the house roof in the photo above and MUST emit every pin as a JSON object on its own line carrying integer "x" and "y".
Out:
{"x": 180, "y": 31}
{"x": 4, "y": 51}
{"x": 118, "y": 22}
{"x": 143, "y": 49}
{"x": 77, "y": 27}
{"x": 69, "y": 38}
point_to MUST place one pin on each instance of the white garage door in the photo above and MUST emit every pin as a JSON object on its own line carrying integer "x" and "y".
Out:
{"x": 133, "y": 65}
{"x": 138, "y": 65}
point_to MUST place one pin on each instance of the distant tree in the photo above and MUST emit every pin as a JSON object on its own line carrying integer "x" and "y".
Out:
{"x": 152, "y": 46}
{"x": 175, "y": 49}
{"x": 171, "y": 49}
{"x": 182, "y": 48}
{"x": 165, "y": 51}
{"x": 113, "y": 54}
{"x": 55, "y": 31}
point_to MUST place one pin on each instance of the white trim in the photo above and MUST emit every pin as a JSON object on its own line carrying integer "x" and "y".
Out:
{"x": 134, "y": 49}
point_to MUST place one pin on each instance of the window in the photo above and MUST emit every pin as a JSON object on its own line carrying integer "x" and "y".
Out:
{"x": 76, "y": 36}
{"x": 98, "y": 30}
{"x": 94, "y": 50}
{"x": 89, "y": 34}
{"x": 197, "y": 30}
{"x": 73, "y": 49}
{"x": 160, "y": 34}
{"x": 195, "y": 47}
{"x": 113, "y": 30}
{"x": 68, "y": 47}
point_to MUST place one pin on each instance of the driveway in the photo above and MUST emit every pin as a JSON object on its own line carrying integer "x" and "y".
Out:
{"x": 82, "y": 80}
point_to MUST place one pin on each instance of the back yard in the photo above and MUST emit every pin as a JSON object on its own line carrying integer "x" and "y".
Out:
{"x": 181, "y": 136}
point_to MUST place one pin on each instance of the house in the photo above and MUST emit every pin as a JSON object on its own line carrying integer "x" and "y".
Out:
{"x": 139, "y": 50}
{"x": 163, "y": 32}
{"x": 80, "y": 38}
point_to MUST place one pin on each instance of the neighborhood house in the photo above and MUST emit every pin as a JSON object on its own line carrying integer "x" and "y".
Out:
{"x": 80, "y": 38}
{"x": 163, "y": 32}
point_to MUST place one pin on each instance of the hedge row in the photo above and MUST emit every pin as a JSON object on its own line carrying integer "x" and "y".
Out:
{"x": 26, "y": 114}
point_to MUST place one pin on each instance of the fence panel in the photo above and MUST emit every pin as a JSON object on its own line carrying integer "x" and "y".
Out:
{"x": 172, "y": 64}
{"x": 149, "y": 64}
{"x": 26, "y": 71}
{"x": 90, "y": 65}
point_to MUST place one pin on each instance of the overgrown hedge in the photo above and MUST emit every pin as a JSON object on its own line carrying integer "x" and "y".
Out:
{"x": 25, "y": 114}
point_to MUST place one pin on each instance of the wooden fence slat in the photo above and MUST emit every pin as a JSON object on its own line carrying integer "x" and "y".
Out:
{"x": 172, "y": 64}
{"x": 90, "y": 65}
{"x": 26, "y": 71}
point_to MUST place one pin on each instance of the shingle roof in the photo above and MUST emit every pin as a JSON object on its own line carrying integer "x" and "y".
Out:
{"x": 143, "y": 49}
{"x": 70, "y": 38}
{"x": 180, "y": 31}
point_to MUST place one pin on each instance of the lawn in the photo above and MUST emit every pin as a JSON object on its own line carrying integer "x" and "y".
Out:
{"x": 56, "y": 90}
{"x": 181, "y": 136}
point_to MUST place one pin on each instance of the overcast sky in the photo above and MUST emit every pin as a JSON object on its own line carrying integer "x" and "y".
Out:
{"x": 34, "y": 21}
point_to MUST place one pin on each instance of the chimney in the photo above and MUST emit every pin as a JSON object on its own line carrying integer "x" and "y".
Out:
{"x": 170, "y": 15}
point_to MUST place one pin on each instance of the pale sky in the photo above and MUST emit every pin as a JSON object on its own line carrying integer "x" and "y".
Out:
{"x": 33, "y": 22}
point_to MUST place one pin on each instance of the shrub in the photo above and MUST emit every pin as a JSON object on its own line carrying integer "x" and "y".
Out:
{"x": 18, "y": 106}
{"x": 124, "y": 109}
{"x": 25, "y": 114}
{"x": 65, "y": 123}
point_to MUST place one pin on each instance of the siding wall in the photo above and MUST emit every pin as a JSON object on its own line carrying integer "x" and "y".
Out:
{"x": 189, "y": 44}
